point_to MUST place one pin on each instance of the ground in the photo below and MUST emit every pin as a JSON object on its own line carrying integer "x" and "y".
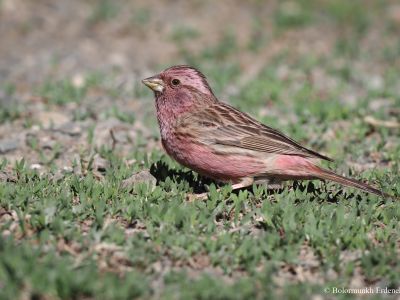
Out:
{"x": 92, "y": 208}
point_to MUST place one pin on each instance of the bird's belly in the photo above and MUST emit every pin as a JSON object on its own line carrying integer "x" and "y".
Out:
{"x": 222, "y": 167}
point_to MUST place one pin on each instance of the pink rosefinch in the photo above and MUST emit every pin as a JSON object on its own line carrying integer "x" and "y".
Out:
{"x": 225, "y": 144}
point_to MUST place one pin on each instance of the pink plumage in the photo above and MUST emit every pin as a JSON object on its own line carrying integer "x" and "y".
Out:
{"x": 223, "y": 143}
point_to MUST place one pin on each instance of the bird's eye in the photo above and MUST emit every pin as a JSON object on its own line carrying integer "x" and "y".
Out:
{"x": 175, "y": 82}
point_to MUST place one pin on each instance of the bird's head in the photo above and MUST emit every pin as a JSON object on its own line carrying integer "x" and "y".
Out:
{"x": 180, "y": 84}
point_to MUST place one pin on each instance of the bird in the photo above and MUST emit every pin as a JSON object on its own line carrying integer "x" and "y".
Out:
{"x": 225, "y": 144}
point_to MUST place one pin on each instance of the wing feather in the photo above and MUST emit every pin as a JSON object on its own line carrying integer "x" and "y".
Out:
{"x": 221, "y": 124}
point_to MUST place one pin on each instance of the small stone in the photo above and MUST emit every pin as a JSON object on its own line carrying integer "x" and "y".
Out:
{"x": 35, "y": 128}
{"x": 143, "y": 176}
{"x": 70, "y": 128}
{"x": 49, "y": 119}
{"x": 131, "y": 162}
{"x": 78, "y": 80}
{"x": 36, "y": 166}
{"x": 67, "y": 169}
{"x": 7, "y": 145}
{"x": 101, "y": 135}
{"x": 120, "y": 135}
{"x": 6, "y": 233}
{"x": 58, "y": 176}
{"x": 60, "y": 173}
{"x": 46, "y": 142}
{"x": 99, "y": 164}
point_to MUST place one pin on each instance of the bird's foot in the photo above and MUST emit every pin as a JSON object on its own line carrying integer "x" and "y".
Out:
{"x": 245, "y": 182}
{"x": 195, "y": 197}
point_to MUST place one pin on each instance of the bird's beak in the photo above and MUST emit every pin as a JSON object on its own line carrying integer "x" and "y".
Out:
{"x": 155, "y": 83}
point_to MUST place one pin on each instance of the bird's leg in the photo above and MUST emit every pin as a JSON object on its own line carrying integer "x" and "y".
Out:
{"x": 245, "y": 182}
{"x": 193, "y": 197}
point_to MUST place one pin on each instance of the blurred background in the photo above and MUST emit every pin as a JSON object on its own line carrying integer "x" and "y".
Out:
{"x": 71, "y": 70}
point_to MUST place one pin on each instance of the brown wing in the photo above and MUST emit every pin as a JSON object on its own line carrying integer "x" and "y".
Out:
{"x": 221, "y": 124}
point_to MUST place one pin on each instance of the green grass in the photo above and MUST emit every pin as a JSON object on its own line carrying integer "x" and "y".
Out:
{"x": 66, "y": 226}
{"x": 9, "y": 110}
{"x": 84, "y": 236}
{"x": 62, "y": 92}
{"x": 10, "y": 113}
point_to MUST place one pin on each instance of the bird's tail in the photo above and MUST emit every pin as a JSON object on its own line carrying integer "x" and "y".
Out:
{"x": 329, "y": 175}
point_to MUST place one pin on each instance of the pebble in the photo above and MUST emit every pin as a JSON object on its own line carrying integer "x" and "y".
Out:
{"x": 7, "y": 145}
{"x": 143, "y": 176}
{"x": 50, "y": 119}
{"x": 70, "y": 128}
{"x": 36, "y": 166}
{"x": 100, "y": 164}
{"x": 121, "y": 133}
{"x": 47, "y": 142}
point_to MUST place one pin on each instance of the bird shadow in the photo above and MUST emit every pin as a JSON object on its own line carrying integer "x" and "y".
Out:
{"x": 333, "y": 197}
{"x": 161, "y": 171}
